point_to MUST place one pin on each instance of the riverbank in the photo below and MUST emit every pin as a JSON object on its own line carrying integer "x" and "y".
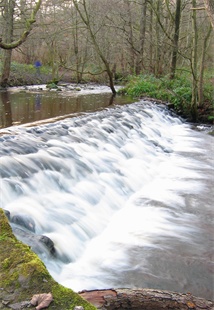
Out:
{"x": 176, "y": 93}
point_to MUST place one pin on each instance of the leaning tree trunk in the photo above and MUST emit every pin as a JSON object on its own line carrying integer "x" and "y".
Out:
{"x": 144, "y": 299}
{"x": 209, "y": 6}
{"x": 7, "y": 42}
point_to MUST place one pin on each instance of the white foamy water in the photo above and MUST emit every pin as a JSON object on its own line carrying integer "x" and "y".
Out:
{"x": 125, "y": 194}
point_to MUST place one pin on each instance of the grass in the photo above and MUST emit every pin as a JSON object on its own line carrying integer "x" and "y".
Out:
{"x": 177, "y": 92}
{"x": 25, "y": 74}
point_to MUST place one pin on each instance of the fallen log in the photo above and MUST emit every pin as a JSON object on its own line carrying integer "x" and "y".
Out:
{"x": 144, "y": 299}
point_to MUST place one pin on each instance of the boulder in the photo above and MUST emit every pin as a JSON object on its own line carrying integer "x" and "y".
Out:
{"x": 38, "y": 243}
{"x": 24, "y": 221}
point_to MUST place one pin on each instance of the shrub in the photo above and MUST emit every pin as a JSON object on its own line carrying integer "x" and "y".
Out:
{"x": 177, "y": 91}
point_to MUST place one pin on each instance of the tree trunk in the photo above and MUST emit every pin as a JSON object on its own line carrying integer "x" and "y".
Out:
{"x": 139, "y": 65}
{"x": 130, "y": 38}
{"x": 176, "y": 38}
{"x": 151, "y": 64}
{"x": 76, "y": 49}
{"x": 28, "y": 27}
{"x": 209, "y": 5}
{"x": 86, "y": 21}
{"x": 144, "y": 299}
{"x": 7, "y": 42}
{"x": 194, "y": 102}
{"x": 8, "y": 34}
{"x": 157, "y": 41}
{"x": 6, "y": 68}
{"x": 202, "y": 67}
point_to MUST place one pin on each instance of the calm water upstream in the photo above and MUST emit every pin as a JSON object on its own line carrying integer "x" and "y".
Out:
{"x": 125, "y": 194}
{"x": 23, "y": 105}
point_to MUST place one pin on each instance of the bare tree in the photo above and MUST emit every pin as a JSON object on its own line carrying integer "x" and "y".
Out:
{"x": 8, "y": 33}
{"x": 7, "y": 43}
{"x": 83, "y": 12}
{"x": 9, "y": 22}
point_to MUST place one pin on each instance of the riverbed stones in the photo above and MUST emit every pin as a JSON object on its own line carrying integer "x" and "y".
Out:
{"x": 38, "y": 243}
{"x": 24, "y": 221}
{"x": 19, "y": 305}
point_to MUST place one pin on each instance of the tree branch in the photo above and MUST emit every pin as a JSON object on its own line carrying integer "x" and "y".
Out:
{"x": 28, "y": 27}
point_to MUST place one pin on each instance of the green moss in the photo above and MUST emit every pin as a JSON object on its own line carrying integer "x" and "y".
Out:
{"x": 23, "y": 274}
{"x": 67, "y": 299}
{"x": 6, "y": 263}
{"x": 3, "y": 237}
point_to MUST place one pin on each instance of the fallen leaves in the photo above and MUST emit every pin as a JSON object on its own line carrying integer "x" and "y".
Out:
{"x": 41, "y": 300}
{"x": 190, "y": 305}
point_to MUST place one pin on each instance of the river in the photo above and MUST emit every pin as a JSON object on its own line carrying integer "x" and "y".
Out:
{"x": 28, "y": 104}
{"x": 125, "y": 194}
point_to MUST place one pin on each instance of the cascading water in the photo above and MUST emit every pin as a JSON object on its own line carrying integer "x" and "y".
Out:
{"x": 125, "y": 194}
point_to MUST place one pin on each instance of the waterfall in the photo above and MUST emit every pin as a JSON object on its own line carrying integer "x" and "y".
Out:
{"x": 125, "y": 195}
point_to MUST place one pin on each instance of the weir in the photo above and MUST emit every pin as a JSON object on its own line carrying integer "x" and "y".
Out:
{"x": 125, "y": 195}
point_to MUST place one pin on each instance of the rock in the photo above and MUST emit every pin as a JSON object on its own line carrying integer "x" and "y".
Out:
{"x": 38, "y": 243}
{"x": 20, "y": 305}
{"x": 7, "y": 213}
{"x": 24, "y": 221}
{"x": 48, "y": 243}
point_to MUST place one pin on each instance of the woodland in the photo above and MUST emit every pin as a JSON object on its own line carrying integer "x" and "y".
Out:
{"x": 110, "y": 41}
{"x": 160, "y": 49}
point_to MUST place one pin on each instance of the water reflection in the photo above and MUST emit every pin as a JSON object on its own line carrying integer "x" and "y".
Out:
{"x": 5, "y": 110}
{"x": 26, "y": 107}
{"x": 38, "y": 100}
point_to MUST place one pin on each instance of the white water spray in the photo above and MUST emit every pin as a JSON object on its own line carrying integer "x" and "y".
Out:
{"x": 124, "y": 194}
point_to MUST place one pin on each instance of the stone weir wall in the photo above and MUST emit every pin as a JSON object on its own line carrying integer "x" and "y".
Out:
{"x": 26, "y": 283}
